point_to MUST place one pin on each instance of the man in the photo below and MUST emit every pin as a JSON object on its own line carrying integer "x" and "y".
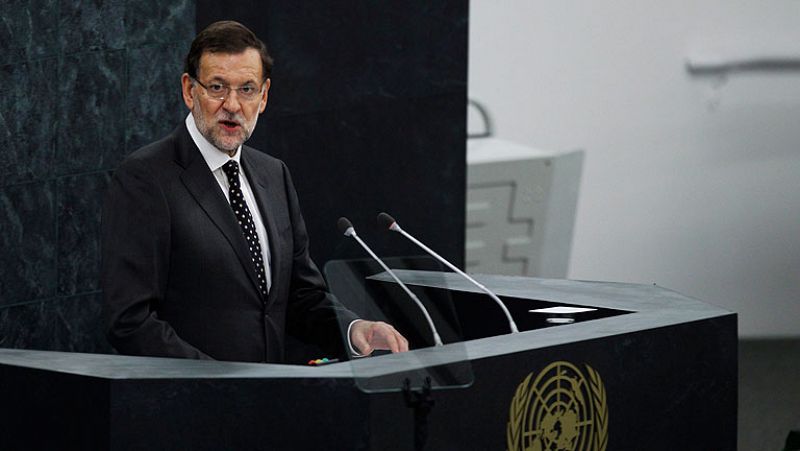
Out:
{"x": 205, "y": 252}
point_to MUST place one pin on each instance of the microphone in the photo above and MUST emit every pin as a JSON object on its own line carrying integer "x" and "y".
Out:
{"x": 385, "y": 220}
{"x": 346, "y": 228}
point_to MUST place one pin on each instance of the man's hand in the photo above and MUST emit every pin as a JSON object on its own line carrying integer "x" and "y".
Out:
{"x": 367, "y": 336}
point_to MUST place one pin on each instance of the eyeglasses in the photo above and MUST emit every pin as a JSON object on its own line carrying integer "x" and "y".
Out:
{"x": 218, "y": 91}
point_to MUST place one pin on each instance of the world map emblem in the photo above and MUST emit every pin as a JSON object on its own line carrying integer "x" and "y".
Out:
{"x": 563, "y": 408}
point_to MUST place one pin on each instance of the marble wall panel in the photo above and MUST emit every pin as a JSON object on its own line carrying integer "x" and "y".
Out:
{"x": 27, "y": 240}
{"x": 28, "y": 30}
{"x": 154, "y": 103}
{"x": 73, "y": 324}
{"x": 159, "y": 21}
{"x": 91, "y": 25}
{"x": 27, "y": 120}
{"x": 91, "y": 126}
{"x": 64, "y": 123}
{"x": 79, "y": 206}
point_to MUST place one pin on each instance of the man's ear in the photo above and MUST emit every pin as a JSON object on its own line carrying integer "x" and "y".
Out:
{"x": 186, "y": 90}
{"x": 265, "y": 95}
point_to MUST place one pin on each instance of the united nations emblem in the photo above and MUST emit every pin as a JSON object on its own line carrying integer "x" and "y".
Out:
{"x": 559, "y": 410}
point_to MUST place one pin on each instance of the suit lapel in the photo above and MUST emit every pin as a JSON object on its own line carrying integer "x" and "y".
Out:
{"x": 200, "y": 182}
{"x": 264, "y": 190}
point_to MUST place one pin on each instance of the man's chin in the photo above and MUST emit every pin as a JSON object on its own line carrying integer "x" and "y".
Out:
{"x": 227, "y": 144}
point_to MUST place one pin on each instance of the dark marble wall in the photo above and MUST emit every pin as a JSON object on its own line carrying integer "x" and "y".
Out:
{"x": 85, "y": 83}
{"x": 368, "y": 109}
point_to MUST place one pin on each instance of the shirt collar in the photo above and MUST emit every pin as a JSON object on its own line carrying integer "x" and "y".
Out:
{"x": 214, "y": 157}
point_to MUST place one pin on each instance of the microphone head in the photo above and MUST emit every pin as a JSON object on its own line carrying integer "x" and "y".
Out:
{"x": 345, "y": 226}
{"x": 386, "y": 221}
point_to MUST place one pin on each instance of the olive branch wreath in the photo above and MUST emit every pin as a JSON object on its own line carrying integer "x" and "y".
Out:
{"x": 600, "y": 409}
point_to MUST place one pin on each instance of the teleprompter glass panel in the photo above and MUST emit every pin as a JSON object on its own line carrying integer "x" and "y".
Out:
{"x": 427, "y": 364}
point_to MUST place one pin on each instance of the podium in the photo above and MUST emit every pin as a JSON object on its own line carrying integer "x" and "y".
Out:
{"x": 648, "y": 368}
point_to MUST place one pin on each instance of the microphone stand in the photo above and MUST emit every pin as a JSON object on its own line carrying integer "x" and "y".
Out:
{"x": 422, "y": 402}
{"x": 348, "y": 230}
{"x": 395, "y": 227}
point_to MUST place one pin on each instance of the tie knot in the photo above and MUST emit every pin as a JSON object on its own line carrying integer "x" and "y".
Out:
{"x": 231, "y": 169}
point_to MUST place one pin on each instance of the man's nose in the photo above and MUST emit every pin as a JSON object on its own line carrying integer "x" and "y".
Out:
{"x": 231, "y": 102}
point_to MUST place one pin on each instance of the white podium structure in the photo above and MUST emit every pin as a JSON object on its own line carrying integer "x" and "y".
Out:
{"x": 521, "y": 206}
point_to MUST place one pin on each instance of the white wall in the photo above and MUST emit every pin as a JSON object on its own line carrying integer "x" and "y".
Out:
{"x": 690, "y": 182}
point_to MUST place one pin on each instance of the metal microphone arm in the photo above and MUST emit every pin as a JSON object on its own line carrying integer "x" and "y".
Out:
{"x": 436, "y": 339}
{"x": 511, "y": 324}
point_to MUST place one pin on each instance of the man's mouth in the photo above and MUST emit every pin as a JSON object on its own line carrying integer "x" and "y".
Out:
{"x": 229, "y": 125}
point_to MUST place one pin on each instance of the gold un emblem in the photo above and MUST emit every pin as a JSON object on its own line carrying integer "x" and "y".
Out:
{"x": 560, "y": 409}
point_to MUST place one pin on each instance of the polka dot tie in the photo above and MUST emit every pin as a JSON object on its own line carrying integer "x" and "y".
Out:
{"x": 231, "y": 169}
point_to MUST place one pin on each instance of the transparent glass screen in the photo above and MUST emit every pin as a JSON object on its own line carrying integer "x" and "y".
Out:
{"x": 426, "y": 364}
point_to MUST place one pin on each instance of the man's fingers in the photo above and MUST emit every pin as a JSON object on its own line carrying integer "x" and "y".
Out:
{"x": 395, "y": 340}
{"x": 391, "y": 340}
{"x": 403, "y": 343}
{"x": 368, "y": 336}
{"x": 364, "y": 348}
{"x": 362, "y": 340}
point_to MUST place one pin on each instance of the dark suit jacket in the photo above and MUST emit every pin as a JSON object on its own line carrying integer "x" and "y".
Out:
{"x": 177, "y": 276}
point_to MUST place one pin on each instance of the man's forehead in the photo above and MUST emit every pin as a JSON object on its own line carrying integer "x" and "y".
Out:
{"x": 222, "y": 64}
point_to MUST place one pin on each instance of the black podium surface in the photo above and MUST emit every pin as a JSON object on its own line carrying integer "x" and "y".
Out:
{"x": 658, "y": 373}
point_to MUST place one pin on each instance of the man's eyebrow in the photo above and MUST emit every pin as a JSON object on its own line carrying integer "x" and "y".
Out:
{"x": 217, "y": 78}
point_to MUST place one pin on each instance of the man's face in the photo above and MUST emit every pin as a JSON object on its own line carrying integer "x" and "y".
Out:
{"x": 226, "y": 123}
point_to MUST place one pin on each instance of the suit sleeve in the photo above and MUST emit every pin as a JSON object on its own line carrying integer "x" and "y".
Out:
{"x": 135, "y": 264}
{"x": 313, "y": 313}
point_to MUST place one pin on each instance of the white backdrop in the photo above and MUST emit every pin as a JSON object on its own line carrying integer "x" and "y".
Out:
{"x": 691, "y": 182}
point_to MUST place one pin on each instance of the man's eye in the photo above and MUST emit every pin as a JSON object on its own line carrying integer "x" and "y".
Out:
{"x": 216, "y": 88}
{"x": 247, "y": 89}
